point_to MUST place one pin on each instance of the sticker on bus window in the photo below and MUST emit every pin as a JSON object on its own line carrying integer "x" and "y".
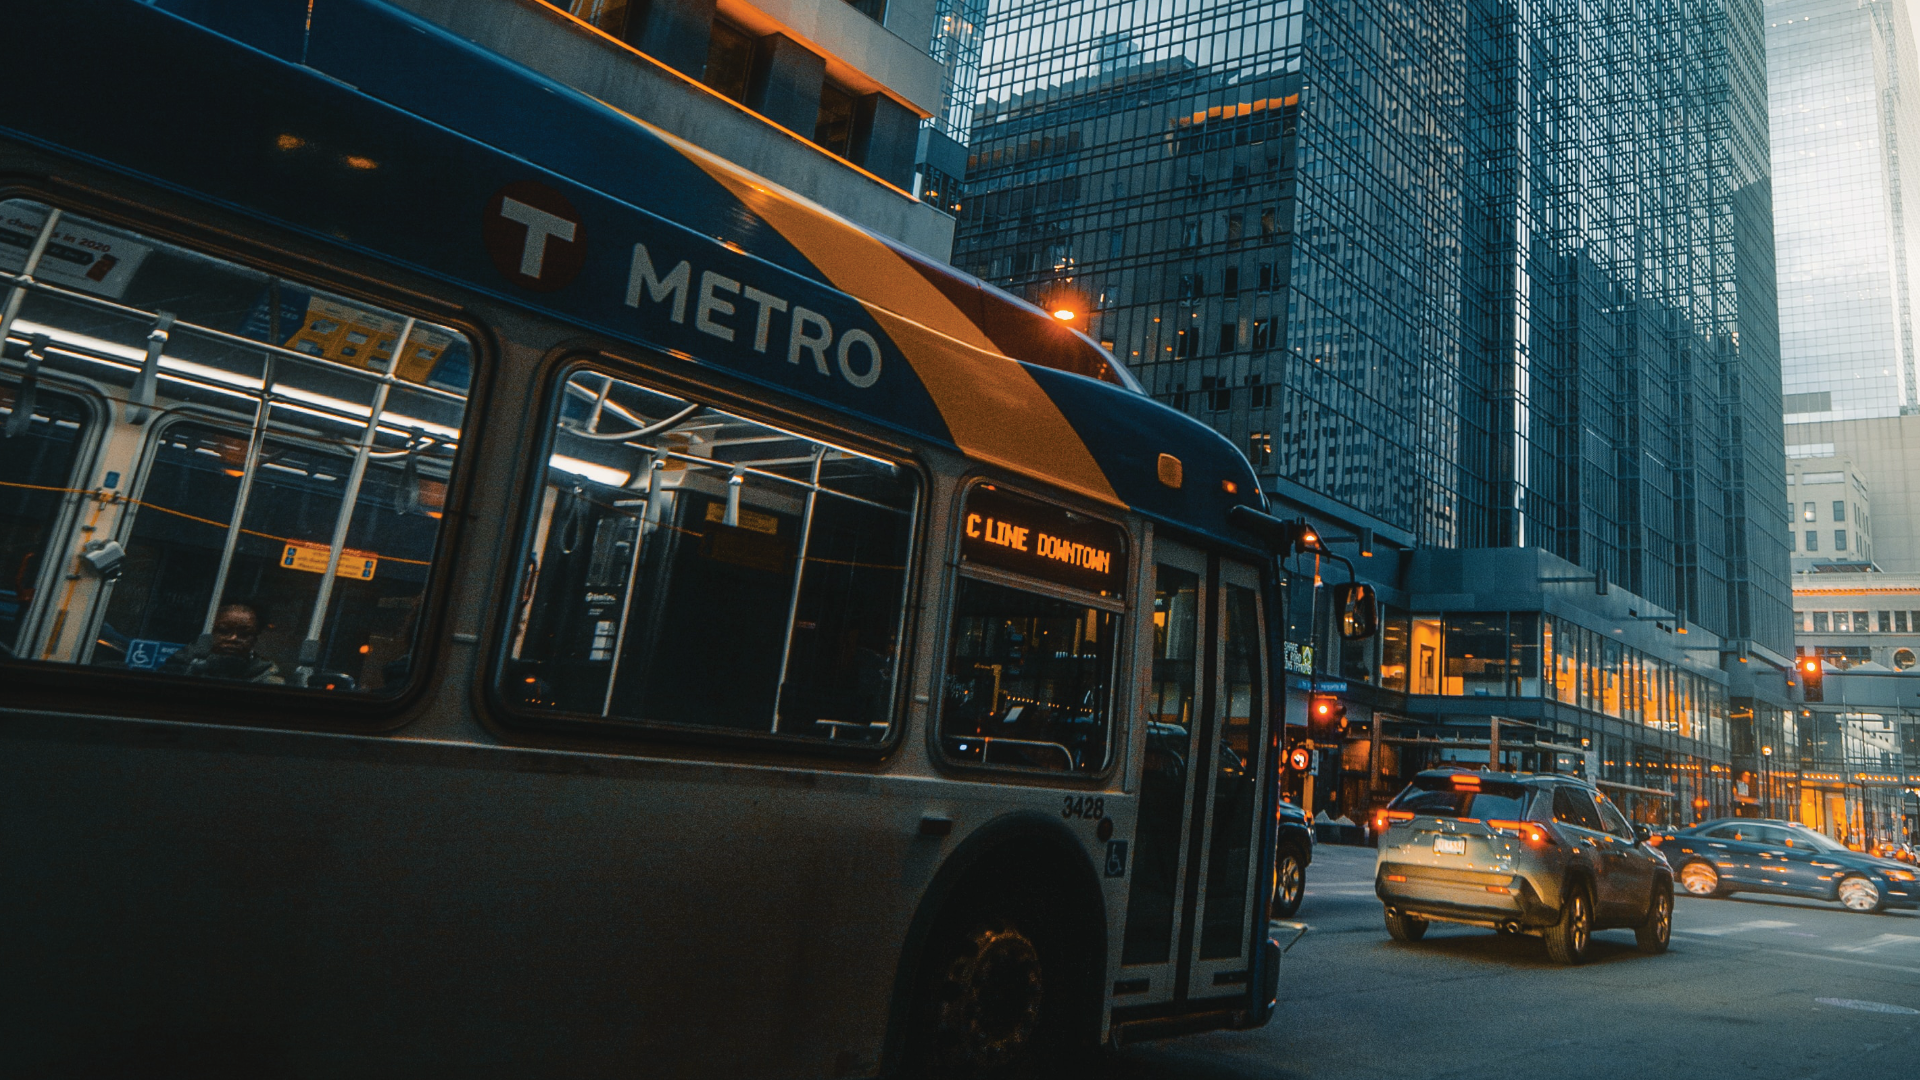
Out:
{"x": 312, "y": 558}
{"x": 78, "y": 256}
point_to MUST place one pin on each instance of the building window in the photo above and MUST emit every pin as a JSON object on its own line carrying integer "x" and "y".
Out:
{"x": 872, "y": 9}
{"x": 1219, "y": 393}
{"x": 1903, "y": 659}
{"x": 1899, "y": 622}
{"x": 729, "y": 60}
{"x": 1260, "y": 448}
{"x": 1235, "y": 226}
{"x": 1230, "y": 282}
{"x": 1807, "y": 512}
{"x": 1883, "y": 620}
{"x": 1259, "y": 395}
{"x": 1186, "y": 344}
{"x": 609, "y": 16}
{"x": 1839, "y": 539}
{"x": 1267, "y": 285}
{"x": 1192, "y": 286}
{"x": 1793, "y": 541}
{"x": 1267, "y": 225}
{"x": 1860, "y": 623}
{"x": 1116, "y": 243}
{"x": 1819, "y": 622}
{"x": 1839, "y": 510}
{"x": 1813, "y": 539}
{"x": 1262, "y": 335}
{"x": 833, "y": 129}
{"x": 1841, "y": 624}
{"x": 1228, "y": 332}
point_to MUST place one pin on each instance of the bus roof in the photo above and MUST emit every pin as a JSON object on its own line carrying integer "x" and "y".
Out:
{"x": 362, "y": 125}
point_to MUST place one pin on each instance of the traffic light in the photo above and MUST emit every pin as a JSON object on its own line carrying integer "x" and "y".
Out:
{"x": 1810, "y": 679}
{"x": 1326, "y": 718}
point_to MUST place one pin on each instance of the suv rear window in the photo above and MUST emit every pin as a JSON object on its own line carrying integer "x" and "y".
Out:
{"x": 1438, "y": 797}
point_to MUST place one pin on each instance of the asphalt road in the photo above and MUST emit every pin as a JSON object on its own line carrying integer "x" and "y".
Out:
{"x": 1739, "y": 994}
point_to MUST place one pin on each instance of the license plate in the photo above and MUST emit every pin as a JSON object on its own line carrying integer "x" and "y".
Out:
{"x": 1449, "y": 845}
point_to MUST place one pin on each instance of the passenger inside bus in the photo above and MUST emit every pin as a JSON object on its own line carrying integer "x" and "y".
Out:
{"x": 229, "y": 655}
{"x": 288, "y": 445}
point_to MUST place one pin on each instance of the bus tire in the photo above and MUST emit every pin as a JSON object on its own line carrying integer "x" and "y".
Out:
{"x": 985, "y": 1002}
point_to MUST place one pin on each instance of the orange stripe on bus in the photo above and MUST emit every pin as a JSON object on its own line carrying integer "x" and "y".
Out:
{"x": 996, "y": 411}
{"x": 854, "y": 262}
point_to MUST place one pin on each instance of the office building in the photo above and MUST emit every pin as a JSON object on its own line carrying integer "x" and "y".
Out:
{"x": 1510, "y": 324}
{"x": 1830, "y": 508}
{"x": 823, "y": 97}
{"x": 1844, "y": 105}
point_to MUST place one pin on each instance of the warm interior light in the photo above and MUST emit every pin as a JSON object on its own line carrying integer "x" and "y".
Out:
{"x": 1063, "y": 314}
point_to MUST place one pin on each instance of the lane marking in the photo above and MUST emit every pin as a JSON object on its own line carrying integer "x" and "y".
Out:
{"x": 1736, "y": 928}
{"x": 1867, "y": 1006}
{"x": 1875, "y": 944}
{"x": 1829, "y": 957}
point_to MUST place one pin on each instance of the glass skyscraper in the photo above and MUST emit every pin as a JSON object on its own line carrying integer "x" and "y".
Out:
{"x": 1845, "y": 113}
{"x": 1479, "y": 274}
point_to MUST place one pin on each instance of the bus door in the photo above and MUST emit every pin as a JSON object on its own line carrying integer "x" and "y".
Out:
{"x": 1194, "y": 892}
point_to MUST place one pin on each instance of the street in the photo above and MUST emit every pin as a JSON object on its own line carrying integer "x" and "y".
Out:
{"x": 1738, "y": 994}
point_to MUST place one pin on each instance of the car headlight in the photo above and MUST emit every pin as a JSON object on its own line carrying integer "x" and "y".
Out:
{"x": 1899, "y": 875}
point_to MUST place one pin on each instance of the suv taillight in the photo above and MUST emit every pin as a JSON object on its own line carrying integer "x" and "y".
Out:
{"x": 1532, "y": 832}
{"x": 1383, "y": 820}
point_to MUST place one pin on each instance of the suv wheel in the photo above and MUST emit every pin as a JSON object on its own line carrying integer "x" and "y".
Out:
{"x": 1700, "y": 879}
{"x": 1290, "y": 884}
{"x": 1567, "y": 939}
{"x": 1405, "y": 927}
{"x": 1654, "y": 934}
{"x": 1861, "y": 894}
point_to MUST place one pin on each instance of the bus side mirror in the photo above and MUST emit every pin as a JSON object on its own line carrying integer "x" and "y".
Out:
{"x": 1357, "y": 609}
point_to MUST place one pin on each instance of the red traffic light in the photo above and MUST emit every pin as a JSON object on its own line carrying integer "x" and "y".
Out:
{"x": 1812, "y": 672}
{"x": 1326, "y": 717}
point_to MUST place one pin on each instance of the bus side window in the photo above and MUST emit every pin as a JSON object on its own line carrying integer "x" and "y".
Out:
{"x": 38, "y": 457}
{"x": 694, "y": 568}
{"x": 295, "y": 445}
{"x": 1033, "y": 657}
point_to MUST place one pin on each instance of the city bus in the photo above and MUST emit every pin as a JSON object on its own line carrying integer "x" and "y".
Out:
{"x": 487, "y": 587}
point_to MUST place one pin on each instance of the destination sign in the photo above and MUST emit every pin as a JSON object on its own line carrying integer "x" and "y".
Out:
{"x": 1013, "y": 532}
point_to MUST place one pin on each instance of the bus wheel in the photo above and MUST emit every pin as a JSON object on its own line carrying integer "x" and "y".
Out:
{"x": 984, "y": 1003}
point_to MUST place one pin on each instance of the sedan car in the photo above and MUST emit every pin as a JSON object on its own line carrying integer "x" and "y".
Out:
{"x": 1730, "y": 855}
{"x": 1523, "y": 854}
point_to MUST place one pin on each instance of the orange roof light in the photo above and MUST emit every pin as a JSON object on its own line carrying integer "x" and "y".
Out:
{"x": 1465, "y": 780}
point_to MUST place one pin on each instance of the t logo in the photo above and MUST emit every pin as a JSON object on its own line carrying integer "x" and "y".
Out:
{"x": 534, "y": 236}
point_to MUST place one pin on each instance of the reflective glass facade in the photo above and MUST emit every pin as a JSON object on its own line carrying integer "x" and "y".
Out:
{"x": 1496, "y": 274}
{"x": 1843, "y": 107}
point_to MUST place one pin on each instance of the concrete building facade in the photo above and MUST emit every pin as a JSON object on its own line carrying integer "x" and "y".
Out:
{"x": 822, "y": 97}
{"x": 1830, "y": 514}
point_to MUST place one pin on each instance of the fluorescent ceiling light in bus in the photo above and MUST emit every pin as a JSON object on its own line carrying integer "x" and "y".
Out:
{"x": 599, "y": 474}
{"x": 189, "y": 371}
